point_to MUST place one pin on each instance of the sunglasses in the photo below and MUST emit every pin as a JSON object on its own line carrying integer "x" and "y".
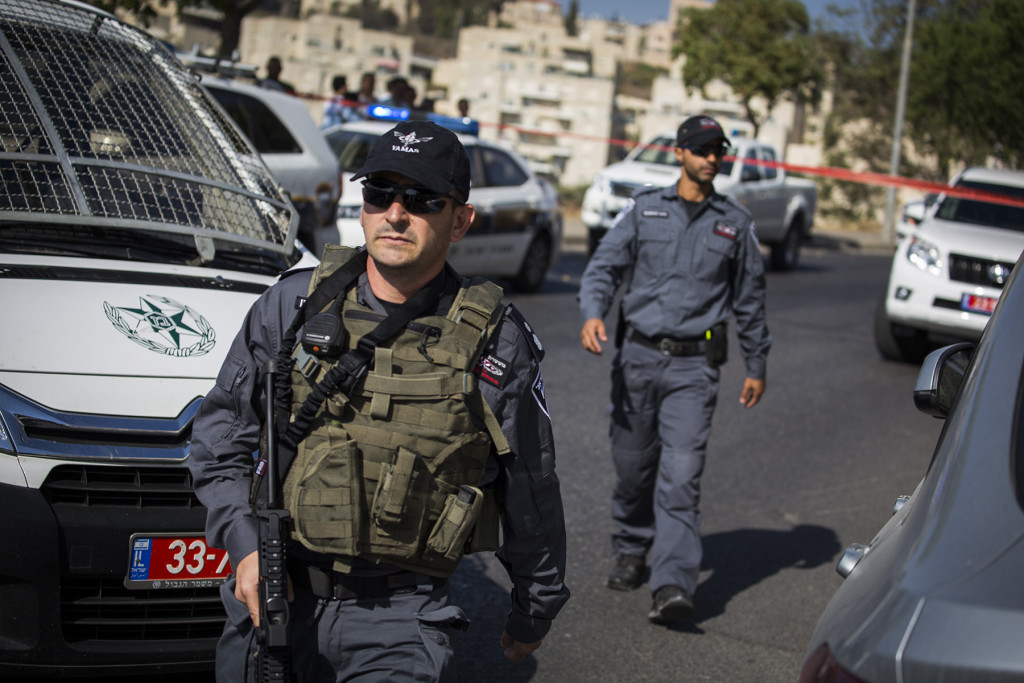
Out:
{"x": 415, "y": 199}
{"x": 707, "y": 150}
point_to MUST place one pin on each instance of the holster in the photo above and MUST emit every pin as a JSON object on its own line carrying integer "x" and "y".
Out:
{"x": 717, "y": 346}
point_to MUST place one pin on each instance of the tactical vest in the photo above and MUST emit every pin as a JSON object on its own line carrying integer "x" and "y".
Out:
{"x": 389, "y": 473}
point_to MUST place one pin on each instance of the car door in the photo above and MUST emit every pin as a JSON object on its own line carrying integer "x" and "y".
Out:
{"x": 507, "y": 201}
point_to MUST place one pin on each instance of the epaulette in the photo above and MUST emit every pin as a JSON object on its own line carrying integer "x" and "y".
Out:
{"x": 536, "y": 348}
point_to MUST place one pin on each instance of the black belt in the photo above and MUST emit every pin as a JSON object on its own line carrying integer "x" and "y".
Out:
{"x": 327, "y": 584}
{"x": 670, "y": 346}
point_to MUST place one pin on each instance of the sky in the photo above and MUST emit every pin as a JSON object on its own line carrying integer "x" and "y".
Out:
{"x": 646, "y": 11}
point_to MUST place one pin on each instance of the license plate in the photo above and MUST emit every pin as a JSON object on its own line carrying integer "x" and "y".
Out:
{"x": 978, "y": 304}
{"x": 175, "y": 561}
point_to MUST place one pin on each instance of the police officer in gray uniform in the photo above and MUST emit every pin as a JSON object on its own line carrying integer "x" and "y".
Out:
{"x": 383, "y": 611}
{"x": 687, "y": 257}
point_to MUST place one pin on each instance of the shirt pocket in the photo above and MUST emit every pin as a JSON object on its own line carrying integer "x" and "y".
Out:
{"x": 719, "y": 252}
{"x": 655, "y": 249}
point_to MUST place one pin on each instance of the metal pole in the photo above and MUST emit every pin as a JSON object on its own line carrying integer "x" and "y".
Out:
{"x": 897, "y": 133}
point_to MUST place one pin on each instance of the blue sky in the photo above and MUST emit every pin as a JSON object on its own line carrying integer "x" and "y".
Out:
{"x": 646, "y": 11}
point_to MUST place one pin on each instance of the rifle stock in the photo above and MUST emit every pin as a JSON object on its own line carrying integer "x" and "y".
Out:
{"x": 274, "y": 523}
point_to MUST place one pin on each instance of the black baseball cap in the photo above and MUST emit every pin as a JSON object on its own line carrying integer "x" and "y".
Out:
{"x": 424, "y": 151}
{"x": 698, "y": 130}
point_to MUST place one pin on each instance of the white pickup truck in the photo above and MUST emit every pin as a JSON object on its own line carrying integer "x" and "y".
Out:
{"x": 783, "y": 208}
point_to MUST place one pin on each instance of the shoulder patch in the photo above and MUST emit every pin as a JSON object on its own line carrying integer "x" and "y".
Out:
{"x": 727, "y": 231}
{"x": 538, "y": 394}
{"x": 493, "y": 370}
{"x": 535, "y": 346}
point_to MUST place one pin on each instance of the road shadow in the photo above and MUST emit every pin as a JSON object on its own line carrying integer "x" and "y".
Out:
{"x": 744, "y": 558}
{"x": 478, "y": 653}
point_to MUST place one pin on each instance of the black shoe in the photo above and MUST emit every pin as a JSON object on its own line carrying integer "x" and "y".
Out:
{"x": 671, "y": 604}
{"x": 627, "y": 574}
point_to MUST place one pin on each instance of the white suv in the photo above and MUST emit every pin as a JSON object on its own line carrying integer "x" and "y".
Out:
{"x": 517, "y": 233}
{"x": 137, "y": 227}
{"x": 949, "y": 270}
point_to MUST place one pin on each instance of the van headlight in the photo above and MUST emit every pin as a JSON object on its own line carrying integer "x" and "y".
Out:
{"x": 925, "y": 256}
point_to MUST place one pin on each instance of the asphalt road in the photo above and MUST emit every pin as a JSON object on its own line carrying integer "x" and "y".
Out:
{"x": 788, "y": 484}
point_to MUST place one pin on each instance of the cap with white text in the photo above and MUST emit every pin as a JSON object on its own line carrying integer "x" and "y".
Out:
{"x": 698, "y": 130}
{"x": 423, "y": 151}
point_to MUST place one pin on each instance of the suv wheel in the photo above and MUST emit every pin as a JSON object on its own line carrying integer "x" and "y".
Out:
{"x": 535, "y": 265}
{"x": 896, "y": 342}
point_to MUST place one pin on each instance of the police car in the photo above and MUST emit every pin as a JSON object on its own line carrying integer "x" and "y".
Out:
{"x": 137, "y": 227}
{"x": 517, "y": 233}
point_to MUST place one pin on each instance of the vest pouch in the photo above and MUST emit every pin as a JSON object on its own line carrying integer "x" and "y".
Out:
{"x": 327, "y": 509}
{"x": 393, "y": 489}
{"x": 486, "y": 534}
{"x": 461, "y": 512}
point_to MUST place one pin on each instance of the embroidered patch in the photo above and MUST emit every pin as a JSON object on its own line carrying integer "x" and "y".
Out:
{"x": 726, "y": 231}
{"x": 493, "y": 370}
{"x": 300, "y": 301}
{"x": 538, "y": 394}
{"x": 654, "y": 213}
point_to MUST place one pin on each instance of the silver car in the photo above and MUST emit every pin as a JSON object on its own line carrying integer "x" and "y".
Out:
{"x": 938, "y": 595}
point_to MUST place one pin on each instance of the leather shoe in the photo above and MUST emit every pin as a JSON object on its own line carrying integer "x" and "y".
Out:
{"x": 671, "y": 604}
{"x": 627, "y": 574}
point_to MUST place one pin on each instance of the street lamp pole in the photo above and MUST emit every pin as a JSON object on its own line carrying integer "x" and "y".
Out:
{"x": 897, "y": 134}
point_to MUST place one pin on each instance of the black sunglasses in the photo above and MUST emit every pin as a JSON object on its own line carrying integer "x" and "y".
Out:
{"x": 416, "y": 199}
{"x": 705, "y": 151}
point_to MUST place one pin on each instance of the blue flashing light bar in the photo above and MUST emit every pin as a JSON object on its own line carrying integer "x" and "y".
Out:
{"x": 385, "y": 113}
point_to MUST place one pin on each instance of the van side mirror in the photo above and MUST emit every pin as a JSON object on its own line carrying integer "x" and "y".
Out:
{"x": 939, "y": 379}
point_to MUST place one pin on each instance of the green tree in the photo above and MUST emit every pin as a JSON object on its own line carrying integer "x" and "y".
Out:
{"x": 965, "y": 102}
{"x": 760, "y": 48}
{"x": 572, "y": 17}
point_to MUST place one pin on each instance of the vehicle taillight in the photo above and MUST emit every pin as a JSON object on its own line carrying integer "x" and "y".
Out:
{"x": 822, "y": 667}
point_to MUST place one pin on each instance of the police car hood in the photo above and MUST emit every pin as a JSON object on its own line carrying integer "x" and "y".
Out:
{"x": 102, "y": 337}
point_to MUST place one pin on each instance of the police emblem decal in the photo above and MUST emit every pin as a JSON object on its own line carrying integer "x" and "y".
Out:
{"x": 163, "y": 326}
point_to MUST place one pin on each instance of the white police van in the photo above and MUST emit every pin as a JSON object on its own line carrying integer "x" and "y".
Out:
{"x": 137, "y": 227}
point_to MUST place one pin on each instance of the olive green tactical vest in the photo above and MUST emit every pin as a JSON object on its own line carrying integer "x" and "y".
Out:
{"x": 390, "y": 473}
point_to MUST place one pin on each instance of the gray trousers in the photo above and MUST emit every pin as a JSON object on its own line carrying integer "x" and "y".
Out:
{"x": 660, "y": 423}
{"x": 401, "y": 637}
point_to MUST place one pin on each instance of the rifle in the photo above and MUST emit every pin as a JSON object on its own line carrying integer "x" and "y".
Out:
{"x": 274, "y": 522}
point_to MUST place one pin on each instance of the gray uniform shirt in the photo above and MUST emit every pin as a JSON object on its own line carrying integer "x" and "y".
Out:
{"x": 685, "y": 275}
{"x": 227, "y": 429}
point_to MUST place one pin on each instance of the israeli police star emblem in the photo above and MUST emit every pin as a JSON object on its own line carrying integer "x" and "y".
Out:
{"x": 164, "y": 326}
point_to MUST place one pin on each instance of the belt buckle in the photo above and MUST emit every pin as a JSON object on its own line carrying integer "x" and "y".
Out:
{"x": 665, "y": 346}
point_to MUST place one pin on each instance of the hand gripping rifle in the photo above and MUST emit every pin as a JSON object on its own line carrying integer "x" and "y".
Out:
{"x": 274, "y": 524}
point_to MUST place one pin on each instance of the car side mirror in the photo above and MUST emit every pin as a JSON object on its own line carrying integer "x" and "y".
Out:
{"x": 939, "y": 379}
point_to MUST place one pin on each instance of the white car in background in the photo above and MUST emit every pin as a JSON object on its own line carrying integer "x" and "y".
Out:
{"x": 290, "y": 143}
{"x": 517, "y": 234}
{"x": 949, "y": 270}
{"x": 137, "y": 228}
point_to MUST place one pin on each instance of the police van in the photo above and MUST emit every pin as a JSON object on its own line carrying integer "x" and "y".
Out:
{"x": 137, "y": 227}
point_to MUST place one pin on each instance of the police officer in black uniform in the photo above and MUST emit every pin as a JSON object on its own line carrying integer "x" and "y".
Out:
{"x": 688, "y": 258}
{"x": 360, "y": 617}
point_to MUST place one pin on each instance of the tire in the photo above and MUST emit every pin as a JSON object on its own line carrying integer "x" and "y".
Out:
{"x": 534, "y": 269}
{"x": 786, "y": 254}
{"x": 896, "y": 342}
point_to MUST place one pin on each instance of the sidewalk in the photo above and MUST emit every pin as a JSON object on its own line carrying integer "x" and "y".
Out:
{"x": 574, "y": 238}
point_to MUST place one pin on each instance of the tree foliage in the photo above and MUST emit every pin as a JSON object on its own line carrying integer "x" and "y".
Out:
{"x": 760, "y": 48}
{"x": 965, "y": 105}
